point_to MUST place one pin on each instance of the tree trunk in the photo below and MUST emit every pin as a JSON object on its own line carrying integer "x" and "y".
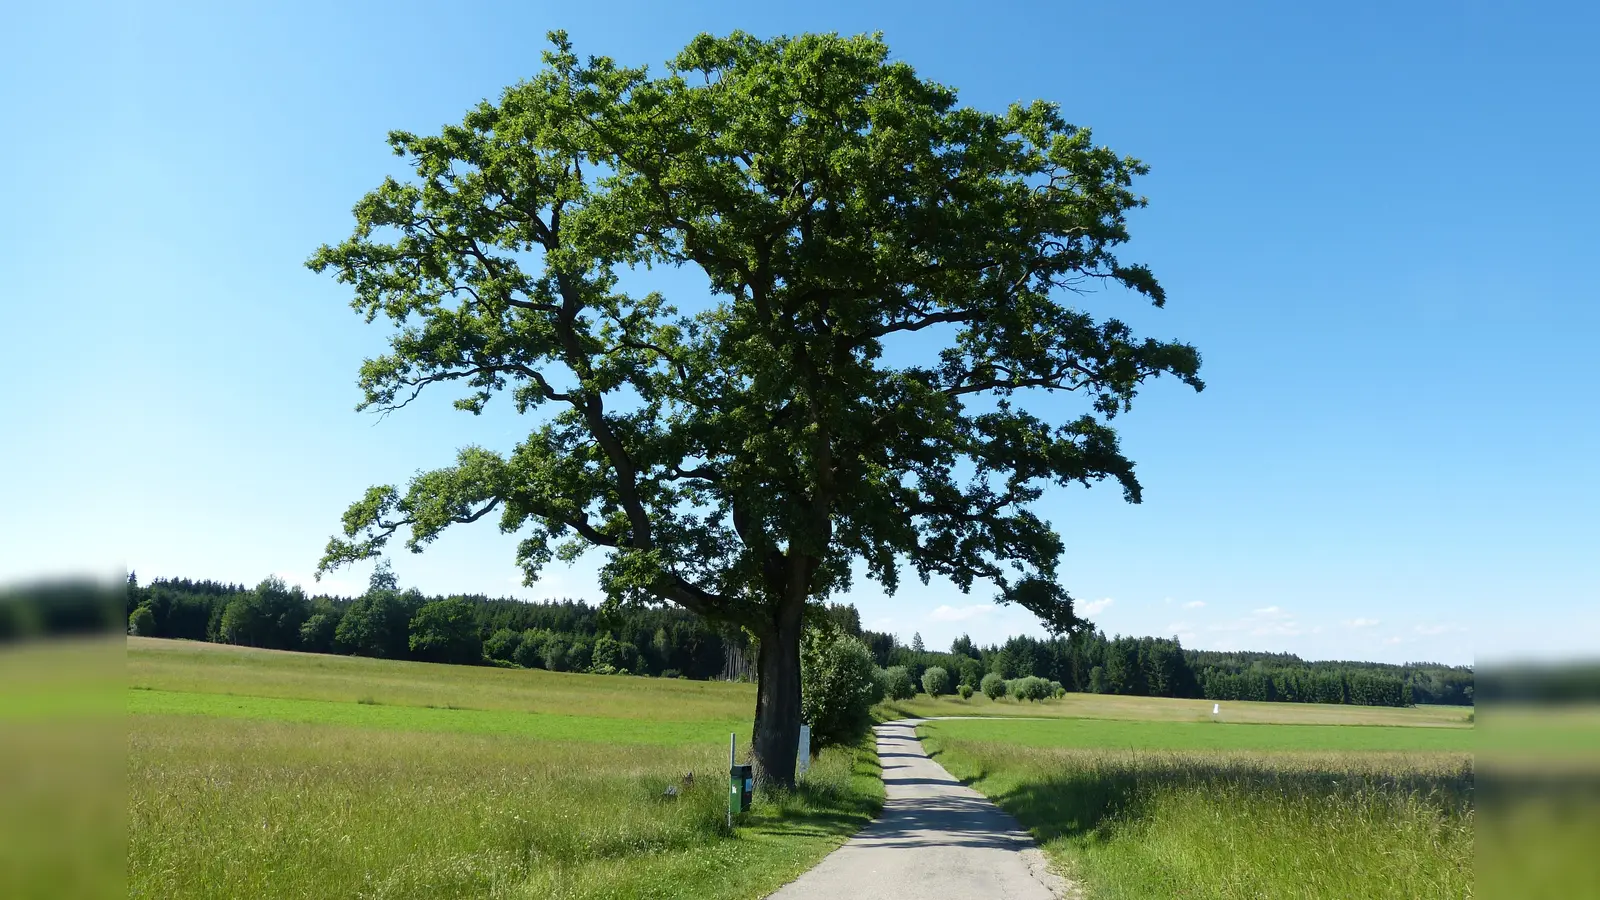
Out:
{"x": 777, "y": 726}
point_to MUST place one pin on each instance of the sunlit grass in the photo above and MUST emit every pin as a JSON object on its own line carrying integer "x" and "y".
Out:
{"x": 1168, "y": 709}
{"x": 368, "y": 713}
{"x": 1539, "y": 777}
{"x": 61, "y": 771}
{"x": 1155, "y": 735}
{"x": 214, "y": 668}
{"x": 1234, "y": 824}
{"x": 233, "y": 795}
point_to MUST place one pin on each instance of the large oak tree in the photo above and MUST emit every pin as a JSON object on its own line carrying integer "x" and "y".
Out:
{"x": 873, "y": 383}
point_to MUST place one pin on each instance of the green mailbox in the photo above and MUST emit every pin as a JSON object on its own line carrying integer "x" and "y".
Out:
{"x": 741, "y": 786}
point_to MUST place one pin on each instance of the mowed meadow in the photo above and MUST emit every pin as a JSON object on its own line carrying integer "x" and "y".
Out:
{"x": 257, "y": 773}
{"x": 1143, "y": 798}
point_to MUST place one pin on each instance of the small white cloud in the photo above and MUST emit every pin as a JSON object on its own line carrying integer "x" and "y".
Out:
{"x": 1176, "y": 627}
{"x": 1195, "y": 604}
{"x": 1395, "y": 640}
{"x": 1095, "y": 606}
{"x": 1433, "y": 630}
{"x": 1268, "y": 621}
{"x": 960, "y": 613}
{"x": 1362, "y": 623}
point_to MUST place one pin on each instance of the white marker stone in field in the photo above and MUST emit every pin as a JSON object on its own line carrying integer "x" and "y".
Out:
{"x": 1216, "y": 708}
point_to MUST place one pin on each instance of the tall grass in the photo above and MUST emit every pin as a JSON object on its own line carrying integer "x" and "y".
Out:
{"x": 61, "y": 769}
{"x": 1136, "y": 735}
{"x": 1540, "y": 802}
{"x": 230, "y": 808}
{"x": 1236, "y": 824}
{"x": 285, "y": 797}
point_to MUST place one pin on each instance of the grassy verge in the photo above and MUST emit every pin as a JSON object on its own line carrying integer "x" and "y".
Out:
{"x": 1231, "y": 824}
{"x": 232, "y": 795}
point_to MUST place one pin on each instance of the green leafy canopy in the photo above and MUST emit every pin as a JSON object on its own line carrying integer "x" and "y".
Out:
{"x": 757, "y": 446}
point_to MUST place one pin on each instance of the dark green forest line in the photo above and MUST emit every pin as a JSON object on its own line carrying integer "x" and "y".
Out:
{"x": 569, "y": 635}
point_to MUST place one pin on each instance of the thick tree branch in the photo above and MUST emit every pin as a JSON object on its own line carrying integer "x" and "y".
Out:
{"x": 592, "y": 407}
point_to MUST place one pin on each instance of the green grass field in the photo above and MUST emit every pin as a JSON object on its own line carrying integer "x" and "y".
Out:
{"x": 259, "y": 773}
{"x": 62, "y": 793}
{"x": 1163, "y": 709}
{"x": 255, "y": 773}
{"x": 1171, "y": 808}
{"x": 219, "y": 669}
{"x": 1113, "y": 734}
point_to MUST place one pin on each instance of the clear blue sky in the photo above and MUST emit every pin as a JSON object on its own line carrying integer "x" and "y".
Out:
{"x": 1377, "y": 222}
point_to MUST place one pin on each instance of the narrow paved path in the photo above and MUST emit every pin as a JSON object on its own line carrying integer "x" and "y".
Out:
{"x": 936, "y": 840}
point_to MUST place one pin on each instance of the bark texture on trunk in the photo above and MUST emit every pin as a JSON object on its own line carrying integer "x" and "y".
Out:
{"x": 776, "y": 740}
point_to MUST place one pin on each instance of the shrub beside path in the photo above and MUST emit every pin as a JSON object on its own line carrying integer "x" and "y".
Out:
{"x": 936, "y": 838}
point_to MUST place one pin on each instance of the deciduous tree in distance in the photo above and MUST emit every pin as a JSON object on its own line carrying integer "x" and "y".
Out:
{"x": 742, "y": 454}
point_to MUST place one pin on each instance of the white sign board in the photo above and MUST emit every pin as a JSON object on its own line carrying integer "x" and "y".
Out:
{"x": 804, "y": 757}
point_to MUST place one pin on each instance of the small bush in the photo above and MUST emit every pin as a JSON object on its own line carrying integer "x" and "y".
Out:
{"x": 965, "y": 690}
{"x": 936, "y": 681}
{"x": 897, "y": 684}
{"x": 838, "y": 686}
{"x": 1030, "y": 687}
{"x": 1057, "y": 689}
{"x": 142, "y": 622}
{"x": 669, "y": 673}
{"x": 994, "y": 687}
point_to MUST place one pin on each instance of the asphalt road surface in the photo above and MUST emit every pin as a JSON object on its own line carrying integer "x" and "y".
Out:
{"x": 936, "y": 840}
